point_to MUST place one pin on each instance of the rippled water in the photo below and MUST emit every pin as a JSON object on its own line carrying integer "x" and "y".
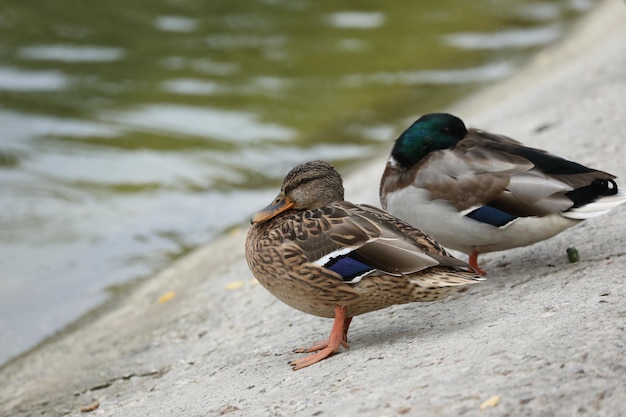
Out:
{"x": 131, "y": 132}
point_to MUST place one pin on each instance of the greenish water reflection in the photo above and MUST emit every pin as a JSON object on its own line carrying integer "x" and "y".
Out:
{"x": 132, "y": 131}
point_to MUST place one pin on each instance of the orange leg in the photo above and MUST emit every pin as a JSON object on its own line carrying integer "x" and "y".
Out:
{"x": 325, "y": 348}
{"x": 473, "y": 261}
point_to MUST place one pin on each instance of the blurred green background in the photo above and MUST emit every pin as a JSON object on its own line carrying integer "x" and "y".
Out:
{"x": 133, "y": 131}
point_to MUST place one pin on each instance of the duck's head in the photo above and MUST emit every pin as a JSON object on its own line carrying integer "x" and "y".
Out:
{"x": 308, "y": 186}
{"x": 429, "y": 133}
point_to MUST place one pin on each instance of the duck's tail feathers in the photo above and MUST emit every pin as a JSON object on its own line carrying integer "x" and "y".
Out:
{"x": 596, "y": 208}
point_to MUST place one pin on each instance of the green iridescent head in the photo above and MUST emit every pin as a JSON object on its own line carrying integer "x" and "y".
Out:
{"x": 429, "y": 133}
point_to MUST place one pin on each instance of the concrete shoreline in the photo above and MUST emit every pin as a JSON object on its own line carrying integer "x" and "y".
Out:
{"x": 541, "y": 337}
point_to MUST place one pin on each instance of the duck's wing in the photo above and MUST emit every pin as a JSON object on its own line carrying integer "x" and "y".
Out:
{"x": 355, "y": 241}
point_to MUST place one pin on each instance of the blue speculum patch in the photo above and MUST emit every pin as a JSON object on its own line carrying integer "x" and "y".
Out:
{"x": 492, "y": 216}
{"x": 348, "y": 267}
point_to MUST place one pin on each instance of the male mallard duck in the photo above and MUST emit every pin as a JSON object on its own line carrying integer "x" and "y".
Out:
{"x": 331, "y": 258}
{"x": 478, "y": 192}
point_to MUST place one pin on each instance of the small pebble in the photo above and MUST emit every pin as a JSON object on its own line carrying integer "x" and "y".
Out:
{"x": 491, "y": 402}
{"x": 572, "y": 255}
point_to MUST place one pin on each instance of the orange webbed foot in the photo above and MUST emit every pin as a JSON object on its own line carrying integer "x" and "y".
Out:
{"x": 319, "y": 345}
{"x": 325, "y": 348}
{"x": 311, "y": 359}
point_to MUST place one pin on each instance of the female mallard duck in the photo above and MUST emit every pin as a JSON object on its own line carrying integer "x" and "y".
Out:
{"x": 331, "y": 258}
{"x": 477, "y": 192}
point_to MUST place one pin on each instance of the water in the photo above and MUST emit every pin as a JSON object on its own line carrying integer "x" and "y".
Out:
{"x": 132, "y": 132}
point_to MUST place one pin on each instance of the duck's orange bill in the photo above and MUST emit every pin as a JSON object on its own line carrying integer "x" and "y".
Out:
{"x": 281, "y": 203}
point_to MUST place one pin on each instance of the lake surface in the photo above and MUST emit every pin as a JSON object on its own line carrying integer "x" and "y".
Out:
{"x": 132, "y": 132}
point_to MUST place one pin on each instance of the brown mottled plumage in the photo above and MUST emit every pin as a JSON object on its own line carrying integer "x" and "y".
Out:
{"x": 331, "y": 258}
